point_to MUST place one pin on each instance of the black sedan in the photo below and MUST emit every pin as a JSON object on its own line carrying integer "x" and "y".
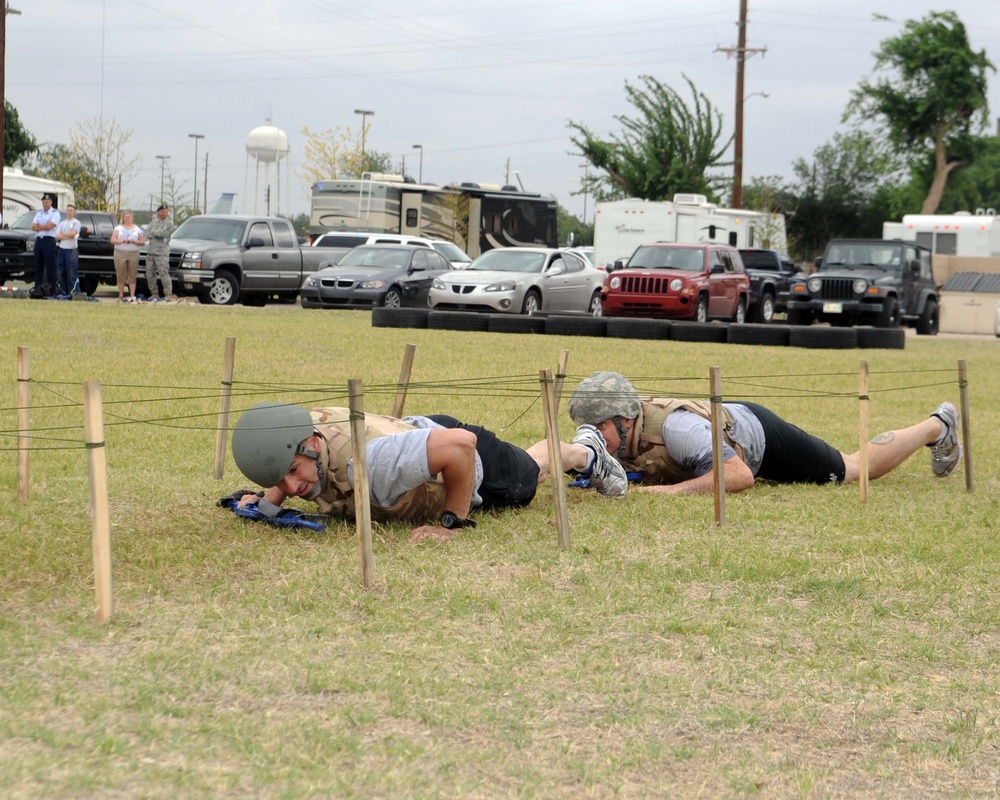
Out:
{"x": 375, "y": 275}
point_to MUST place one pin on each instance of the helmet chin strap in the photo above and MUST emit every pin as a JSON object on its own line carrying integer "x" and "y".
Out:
{"x": 301, "y": 449}
{"x": 622, "y": 437}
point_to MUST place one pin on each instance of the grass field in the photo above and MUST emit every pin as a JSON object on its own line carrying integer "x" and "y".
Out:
{"x": 813, "y": 647}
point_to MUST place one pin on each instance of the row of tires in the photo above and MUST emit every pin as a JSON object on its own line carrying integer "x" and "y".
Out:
{"x": 818, "y": 336}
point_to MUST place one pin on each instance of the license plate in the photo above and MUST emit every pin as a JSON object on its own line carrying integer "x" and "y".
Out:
{"x": 833, "y": 308}
{"x": 188, "y": 285}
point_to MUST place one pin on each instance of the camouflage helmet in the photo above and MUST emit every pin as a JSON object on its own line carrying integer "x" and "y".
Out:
{"x": 267, "y": 437}
{"x": 604, "y": 395}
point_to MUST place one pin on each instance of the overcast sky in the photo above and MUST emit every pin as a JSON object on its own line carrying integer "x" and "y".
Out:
{"x": 476, "y": 83}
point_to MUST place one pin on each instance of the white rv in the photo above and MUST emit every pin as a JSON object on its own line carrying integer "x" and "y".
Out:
{"x": 23, "y": 193}
{"x": 961, "y": 234}
{"x": 620, "y": 226}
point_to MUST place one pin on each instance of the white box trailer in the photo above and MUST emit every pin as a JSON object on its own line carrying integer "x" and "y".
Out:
{"x": 620, "y": 226}
{"x": 23, "y": 193}
{"x": 961, "y": 234}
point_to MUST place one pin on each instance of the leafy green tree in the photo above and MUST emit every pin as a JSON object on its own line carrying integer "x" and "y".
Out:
{"x": 669, "y": 147}
{"x": 929, "y": 94}
{"x": 60, "y": 162}
{"x": 18, "y": 143}
{"x": 567, "y": 223}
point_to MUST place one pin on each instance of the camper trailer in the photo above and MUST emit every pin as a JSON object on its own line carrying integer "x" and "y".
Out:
{"x": 23, "y": 193}
{"x": 620, "y": 226}
{"x": 383, "y": 203}
{"x": 961, "y": 234}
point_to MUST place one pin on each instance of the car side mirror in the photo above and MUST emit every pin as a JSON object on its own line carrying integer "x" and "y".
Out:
{"x": 255, "y": 242}
{"x": 414, "y": 268}
{"x": 554, "y": 271}
{"x": 818, "y": 262}
{"x": 915, "y": 267}
{"x": 619, "y": 264}
{"x": 717, "y": 269}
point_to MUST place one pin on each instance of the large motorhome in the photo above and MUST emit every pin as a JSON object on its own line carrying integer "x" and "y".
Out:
{"x": 23, "y": 193}
{"x": 961, "y": 234}
{"x": 620, "y": 226}
{"x": 477, "y": 217}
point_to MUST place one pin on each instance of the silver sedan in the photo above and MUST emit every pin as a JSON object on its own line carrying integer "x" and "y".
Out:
{"x": 521, "y": 280}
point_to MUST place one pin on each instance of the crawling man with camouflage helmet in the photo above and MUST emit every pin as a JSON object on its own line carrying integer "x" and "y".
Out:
{"x": 422, "y": 468}
{"x": 669, "y": 441}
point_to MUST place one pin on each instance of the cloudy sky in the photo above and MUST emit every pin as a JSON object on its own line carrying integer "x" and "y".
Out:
{"x": 484, "y": 87}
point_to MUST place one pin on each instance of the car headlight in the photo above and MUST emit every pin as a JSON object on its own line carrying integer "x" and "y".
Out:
{"x": 501, "y": 286}
{"x": 191, "y": 261}
{"x": 30, "y": 245}
{"x": 437, "y": 283}
{"x": 859, "y": 286}
{"x": 676, "y": 284}
{"x": 310, "y": 281}
{"x": 615, "y": 282}
{"x": 815, "y": 284}
{"x": 372, "y": 285}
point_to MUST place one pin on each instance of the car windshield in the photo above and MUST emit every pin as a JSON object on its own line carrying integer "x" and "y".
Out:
{"x": 24, "y": 222}
{"x": 228, "y": 231}
{"x": 509, "y": 261}
{"x": 863, "y": 254}
{"x": 384, "y": 257}
{"x": 452, "y": 251}
{"x": 685, "y": 259}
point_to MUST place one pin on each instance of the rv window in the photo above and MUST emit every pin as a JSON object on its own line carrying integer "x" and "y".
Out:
{"x": 411, "y": 218}
{"x": 946, "y": 244}
{"x": 926, "y": 240}
{"x": 732, "y": 238}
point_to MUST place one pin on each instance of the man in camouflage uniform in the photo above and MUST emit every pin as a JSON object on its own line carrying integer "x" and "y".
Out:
{"x": 669, "y": 441}
{"x": 420, "y": 468}
{"x": 158, "y": 234}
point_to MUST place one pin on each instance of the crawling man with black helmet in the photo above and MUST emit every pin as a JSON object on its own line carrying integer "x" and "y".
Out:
{"x": 421, "y": 468}
{"x": 669, "y": 441}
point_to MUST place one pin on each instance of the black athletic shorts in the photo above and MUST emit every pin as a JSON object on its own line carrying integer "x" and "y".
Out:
{"x": 793, "y": 456}
{"x": 510, "y": 475}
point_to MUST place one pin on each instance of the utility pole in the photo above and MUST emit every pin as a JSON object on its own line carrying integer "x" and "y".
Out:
{"x": 204, "y": 194}
{"x": 740, "y": 53}
{"x": 3, "y": 92}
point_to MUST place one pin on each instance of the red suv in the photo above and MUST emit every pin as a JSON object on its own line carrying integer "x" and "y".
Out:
{"x": 678, "y": 281}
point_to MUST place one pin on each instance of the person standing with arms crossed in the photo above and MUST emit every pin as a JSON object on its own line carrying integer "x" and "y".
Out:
{"x": 127, "y": 239}
{"x": 158, "y": 234}
{"x": 44, "y": 226}
{"x": 68, "y": 252}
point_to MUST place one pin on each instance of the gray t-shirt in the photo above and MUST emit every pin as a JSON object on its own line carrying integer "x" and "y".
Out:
{"x": 398, "y": 463}
{"x": 688, "y": 438}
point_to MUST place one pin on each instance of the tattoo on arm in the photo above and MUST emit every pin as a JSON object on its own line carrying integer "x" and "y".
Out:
{"x": 884, "y": 438}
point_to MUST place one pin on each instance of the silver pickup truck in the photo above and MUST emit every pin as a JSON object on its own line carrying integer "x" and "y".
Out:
{"x": 222, "y": 259}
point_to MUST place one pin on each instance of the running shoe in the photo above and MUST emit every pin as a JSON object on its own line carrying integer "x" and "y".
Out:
{"x": 607, "y": 475}
{"x": 946, "y": 452}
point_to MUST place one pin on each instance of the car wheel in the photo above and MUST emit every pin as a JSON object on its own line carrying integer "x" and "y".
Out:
{"x": 764, "y": 311}
{"x": 927, "y": 325}
{"x": 532, "y": 302}
{"x": 595, "y": 304}
{"x": 89, "y": 284}
{"x": 701, "y": 312}
{"x": 393, "y": 298}
{"x": 884, "y": 338}
{"x": 889, "y": 316}
{"x": 223, "y": 291}
{"x": 741, "y": 312}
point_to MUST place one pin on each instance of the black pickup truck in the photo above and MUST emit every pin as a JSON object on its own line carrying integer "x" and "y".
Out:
{"x": 17, "y": 250}
{"x": 771, "y": 277}
{"x": 224, "y": 258}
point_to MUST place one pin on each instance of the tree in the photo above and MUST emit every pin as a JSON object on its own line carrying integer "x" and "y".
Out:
{"x": 18, "y": 143}
{"x": 331, "y": 154}
{"x": 567, "y": 223}
{"x": 669, "y": 148}
{"x": 931, "y": 95}
{"x": 59, "y": 162}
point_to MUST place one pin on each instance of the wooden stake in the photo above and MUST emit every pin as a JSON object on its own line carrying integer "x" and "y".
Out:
{"x": 963, "y": 392}
{"x": 225, "y": 400}
{"x": 555, "y": 456}
{"x": 362, "y": 501}
{"x": 23, "y": 424}
{"x": 718, "y": 425}
{"x": 93, "y": 424}
{"x": 404, "y": 380}
{"x": 561, "y": 375}
{"x": 863, "y": 433}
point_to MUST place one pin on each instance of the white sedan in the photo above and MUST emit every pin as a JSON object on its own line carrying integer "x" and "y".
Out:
{"x": 521, "y": 280}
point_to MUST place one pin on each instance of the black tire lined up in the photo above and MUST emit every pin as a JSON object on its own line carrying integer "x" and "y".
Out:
{"x": 773, "y": 335}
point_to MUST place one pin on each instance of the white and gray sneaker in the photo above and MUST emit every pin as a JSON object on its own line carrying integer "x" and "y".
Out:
{"x": 946, "y": 452}
{"x": 607, "y": 475}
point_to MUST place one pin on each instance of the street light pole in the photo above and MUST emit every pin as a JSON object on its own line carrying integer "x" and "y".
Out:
{"x": 365, "y": 113}
{"x": 420, "y": 147}
{"x": 163, "y": 163}
{"x": 196, "y": 137}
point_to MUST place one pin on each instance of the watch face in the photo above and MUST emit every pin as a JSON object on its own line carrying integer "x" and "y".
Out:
{"x": 449, "y": 520}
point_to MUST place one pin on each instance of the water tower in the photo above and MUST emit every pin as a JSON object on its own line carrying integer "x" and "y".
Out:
{"x": 267, "y": 145}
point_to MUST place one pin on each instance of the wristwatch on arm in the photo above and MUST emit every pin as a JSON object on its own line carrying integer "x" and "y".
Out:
{"x": 451, "y": 521}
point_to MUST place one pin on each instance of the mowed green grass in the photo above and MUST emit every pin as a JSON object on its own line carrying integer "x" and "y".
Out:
{"x": 813, "y": 647}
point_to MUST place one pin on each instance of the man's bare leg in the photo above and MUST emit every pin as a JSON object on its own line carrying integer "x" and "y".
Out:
{"x": 574, "y": 457}
{"x": 888, "y": 450}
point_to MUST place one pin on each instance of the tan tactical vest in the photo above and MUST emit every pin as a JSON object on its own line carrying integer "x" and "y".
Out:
{"x": 426, "y": 502}
{"x": 647, "y": 453}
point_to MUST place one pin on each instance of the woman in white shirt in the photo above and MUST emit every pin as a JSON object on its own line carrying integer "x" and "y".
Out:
{"x": 127, "y": 239}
